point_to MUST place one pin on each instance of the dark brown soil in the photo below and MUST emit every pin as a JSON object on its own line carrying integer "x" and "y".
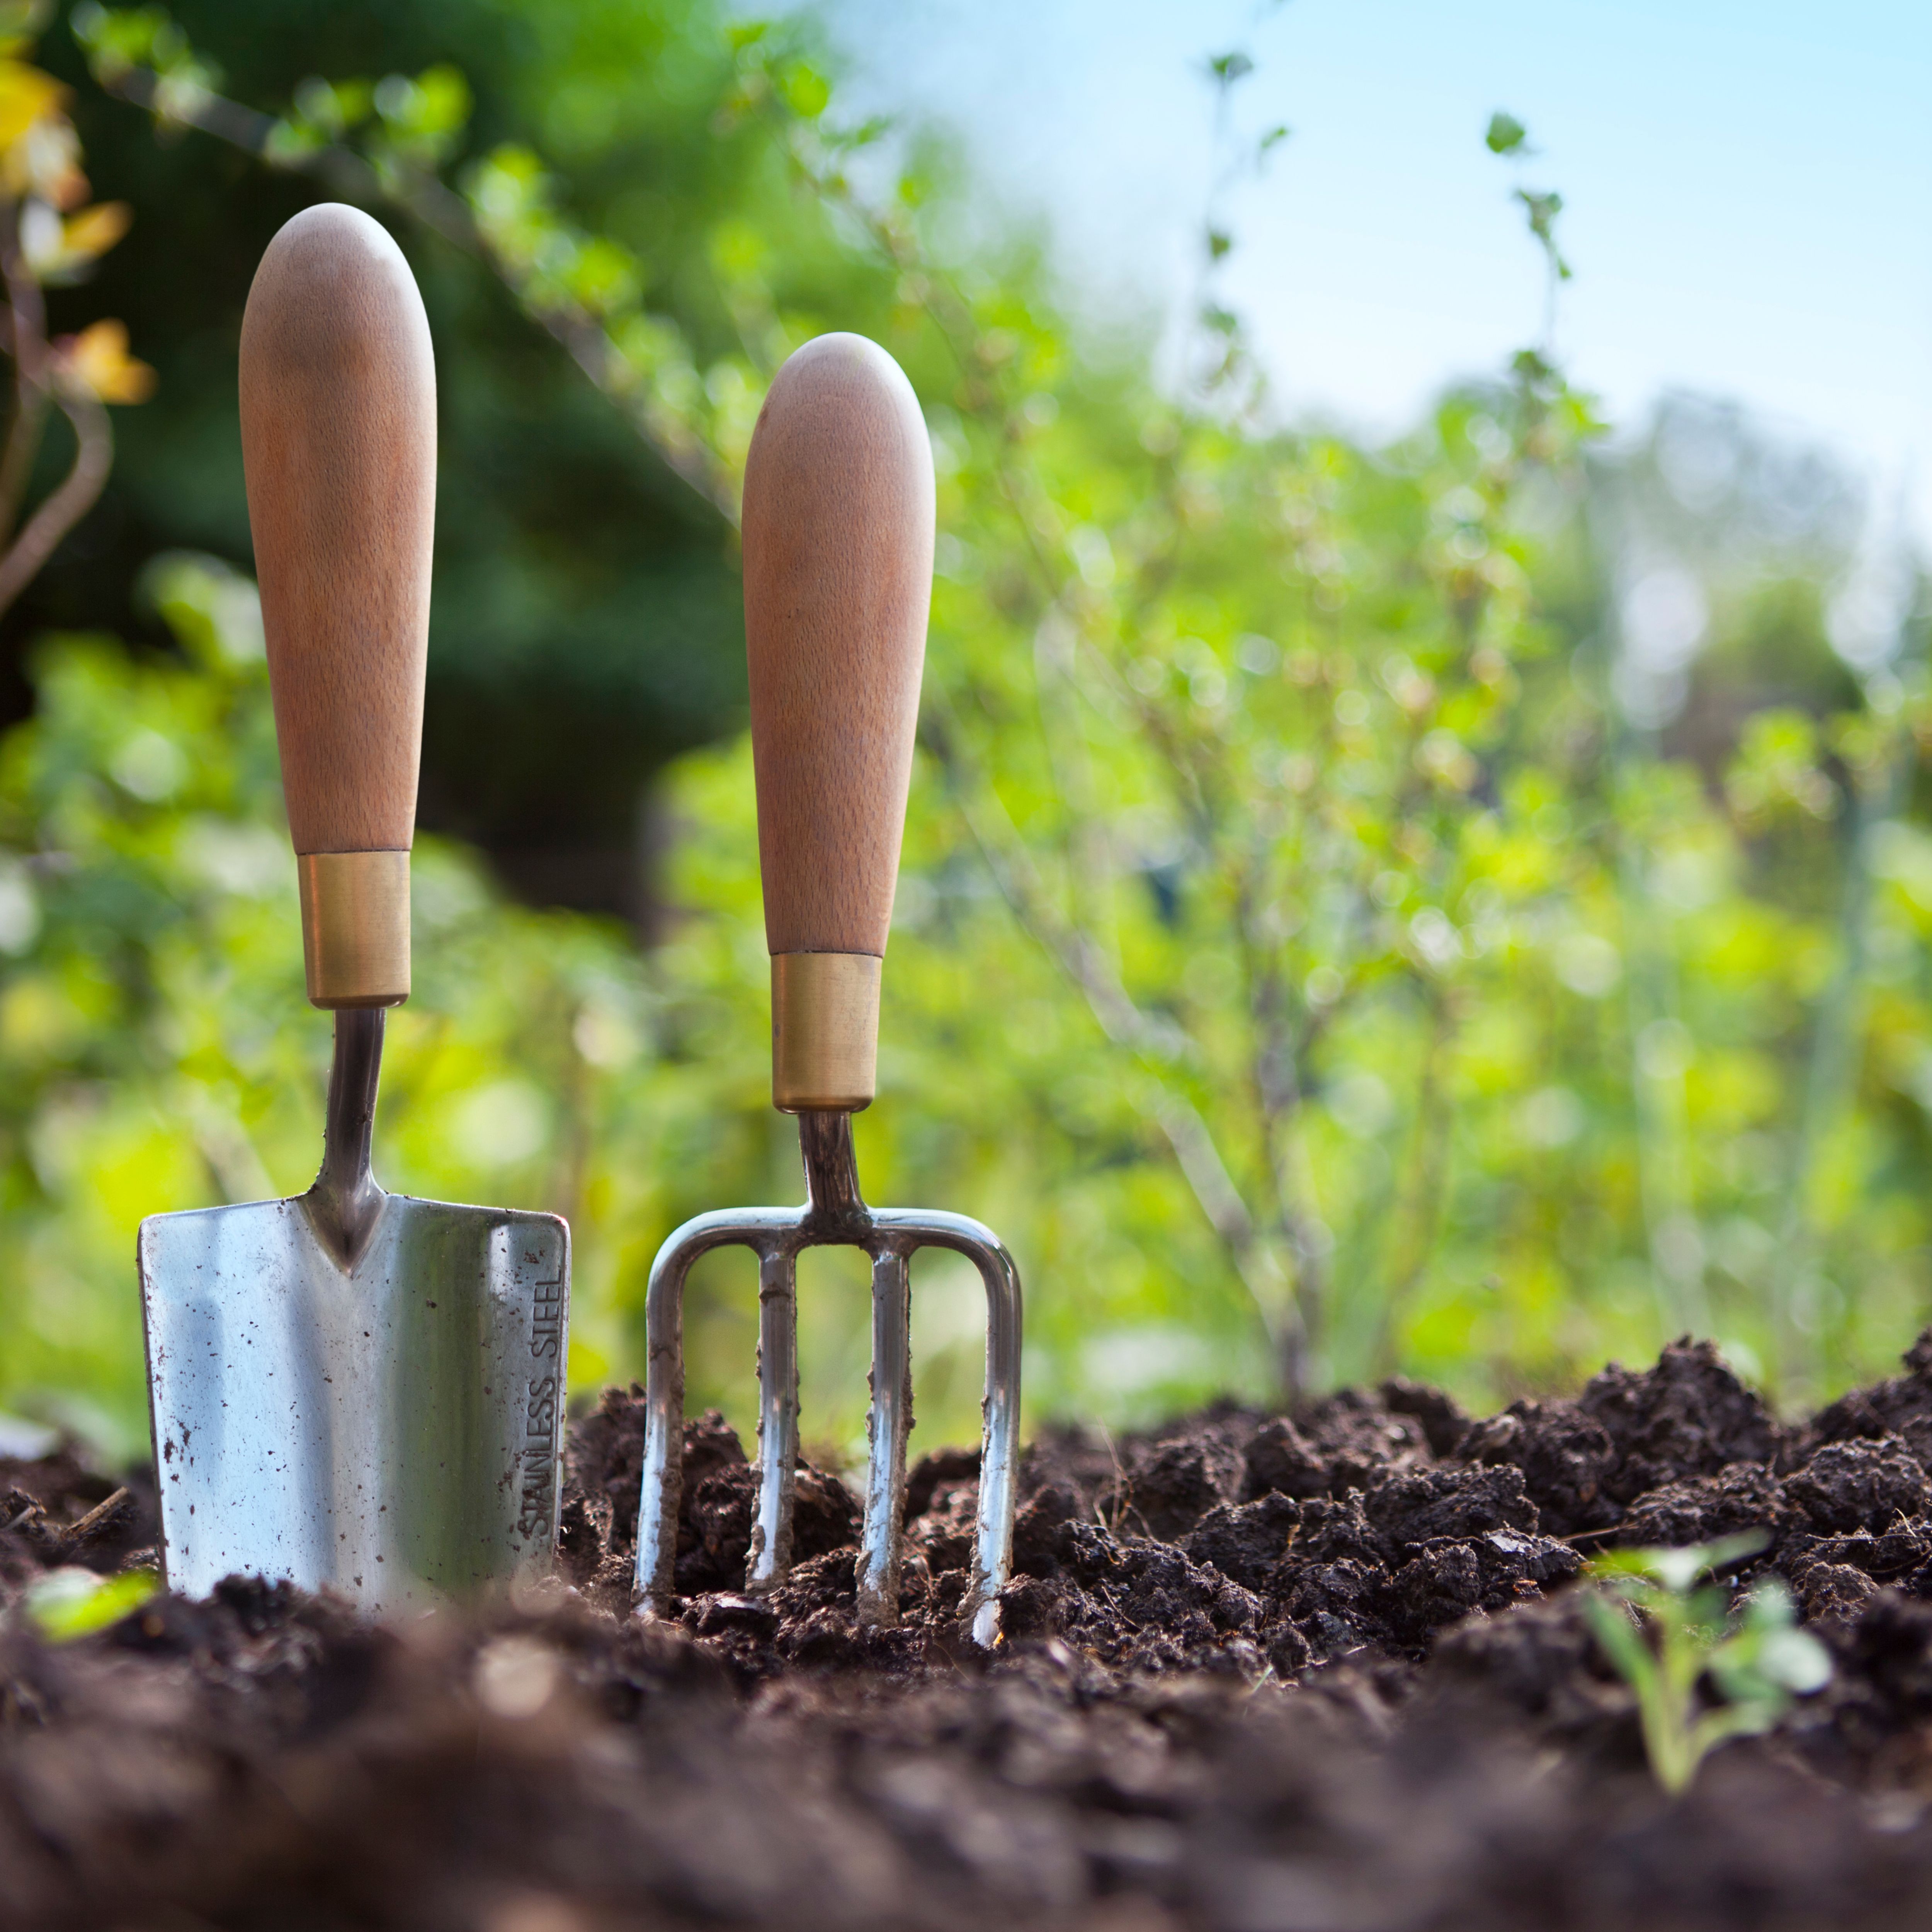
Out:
{"x": 1310, "y": 1673}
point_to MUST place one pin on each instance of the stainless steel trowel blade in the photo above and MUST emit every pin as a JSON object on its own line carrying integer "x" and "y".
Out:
{"x": 392, "y": 1431}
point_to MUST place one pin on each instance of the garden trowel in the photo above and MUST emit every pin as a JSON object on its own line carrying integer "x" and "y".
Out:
{"x": 351, "y": 1389}
{"x": 839, "y": 541}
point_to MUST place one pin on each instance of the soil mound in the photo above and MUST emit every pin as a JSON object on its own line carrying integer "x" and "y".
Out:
{"x": 1318, "y": 1670}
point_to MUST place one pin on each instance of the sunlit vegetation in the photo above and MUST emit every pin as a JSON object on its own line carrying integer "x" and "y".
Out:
{"x": 1458, "y": 908}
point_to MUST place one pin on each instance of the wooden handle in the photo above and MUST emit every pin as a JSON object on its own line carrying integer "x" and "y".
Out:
{"x": 837, "y": 533}
{"x": 338, "y": 442}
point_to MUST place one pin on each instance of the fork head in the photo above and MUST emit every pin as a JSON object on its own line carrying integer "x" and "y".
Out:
{"x": 834, "y": 1215}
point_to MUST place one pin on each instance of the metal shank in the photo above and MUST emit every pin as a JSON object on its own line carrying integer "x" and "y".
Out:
{"x": 345, "y": 1202}
{"x": 834, "y": 1216}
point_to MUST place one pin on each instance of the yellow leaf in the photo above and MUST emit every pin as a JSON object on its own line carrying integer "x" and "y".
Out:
{"x": 97, "y": 359}
{"x": 94, "y": 230}
{"x": 26, "y": 95}
{"x": 40, "y": 152}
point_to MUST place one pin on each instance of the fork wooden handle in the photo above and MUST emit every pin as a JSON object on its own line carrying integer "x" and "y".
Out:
{"x": 838, "y": 535}
{"x": 338, "y": 441}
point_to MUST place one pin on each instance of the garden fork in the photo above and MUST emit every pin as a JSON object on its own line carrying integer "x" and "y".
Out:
{"x": 837, "y": 548}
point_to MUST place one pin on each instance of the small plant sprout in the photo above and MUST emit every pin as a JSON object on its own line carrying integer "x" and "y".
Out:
{"x": 1756, "y": 1661}
{"x": 72, "y": 1603}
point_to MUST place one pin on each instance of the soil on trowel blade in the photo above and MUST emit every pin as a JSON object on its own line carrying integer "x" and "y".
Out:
{"x": 1322, "y": 1672}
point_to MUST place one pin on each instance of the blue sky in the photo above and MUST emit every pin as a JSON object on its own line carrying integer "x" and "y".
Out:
{"x": 1748, "y": 188}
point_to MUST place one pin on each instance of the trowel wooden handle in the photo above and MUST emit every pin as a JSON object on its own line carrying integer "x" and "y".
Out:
{"x": 837, "y": 531}
{"x": 338, "y": 440}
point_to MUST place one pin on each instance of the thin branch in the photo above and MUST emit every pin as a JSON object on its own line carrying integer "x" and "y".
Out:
{"x": 27, "y": 333}
{"x": 1277, "y": 1087}
{"x": 1126, "y": 1026}
{"x": 235, "y": 1166}
{"x": 1425, "y": 1191}
{"x": 94, "y": 456}
{"x": 1831, "y": 1066}
{"x": 1255, "y": 1259}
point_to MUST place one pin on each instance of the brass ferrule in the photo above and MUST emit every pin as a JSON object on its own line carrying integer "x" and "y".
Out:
{"x": 825, "y": 1031}
{"x": 355, "y": 927}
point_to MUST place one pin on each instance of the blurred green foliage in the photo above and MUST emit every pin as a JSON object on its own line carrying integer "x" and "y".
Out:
{"x": 1441, "y": 907}
{"x": 585, "y": 594}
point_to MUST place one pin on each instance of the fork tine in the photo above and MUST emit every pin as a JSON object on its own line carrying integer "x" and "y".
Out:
{"x": 887, "y": 1427}
{"x": 999, "y": 1440}
{"x": 1000, "y": 1444}
{"x": 764, "y": 1230}
{"x": 662, "y": 1479}
{"x": 770, "y": 1561}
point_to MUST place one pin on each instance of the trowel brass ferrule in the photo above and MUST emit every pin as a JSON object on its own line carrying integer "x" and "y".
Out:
{"x": 834, "y": 1215}
{"x": 355, "y": 927}
{"x": 825, "y": 1031}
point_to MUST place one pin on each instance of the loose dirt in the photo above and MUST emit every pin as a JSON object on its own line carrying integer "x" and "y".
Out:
{"x": 1317, "y": 1672}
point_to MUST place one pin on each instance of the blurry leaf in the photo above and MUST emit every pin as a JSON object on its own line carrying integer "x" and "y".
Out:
{"x": 424, "y": 118}
{"x": 20, "y": 21}
{"x": 1795, "y": 1661}
{"x": 868, "y": 132}
{"x": 1679, "y": 1569}
{"x": 288, "y": 143}
{"x": 60, "y": 252}
{"x": 64, "y": 1604}
{"x": 806, "y": 90}
{"x": 1229, "y": 67}
{"x": 96, "y": 360}
{"x": 442, "y": 99}
{"x": 1619, "y": 1636}
{"x": 40, "y": 237}
{"x": 94, "y": 230}
{"x": 1506, "y": 134}
{"x": 27, "y": 96}
{"x": 603, "y": 277}
{"x": 330, "y": 111}
{"x": 116, "y": 39}
{"x": 1542, "y": 210}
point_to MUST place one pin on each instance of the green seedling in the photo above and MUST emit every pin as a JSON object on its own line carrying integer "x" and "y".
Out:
{"x": 73, "y": 1603}
{"x": 1755, "y": 1661}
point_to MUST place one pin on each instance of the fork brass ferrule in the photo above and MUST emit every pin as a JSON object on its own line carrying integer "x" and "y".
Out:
{"x": 825, "y": 1031}
{"x": 355, "y": 927}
